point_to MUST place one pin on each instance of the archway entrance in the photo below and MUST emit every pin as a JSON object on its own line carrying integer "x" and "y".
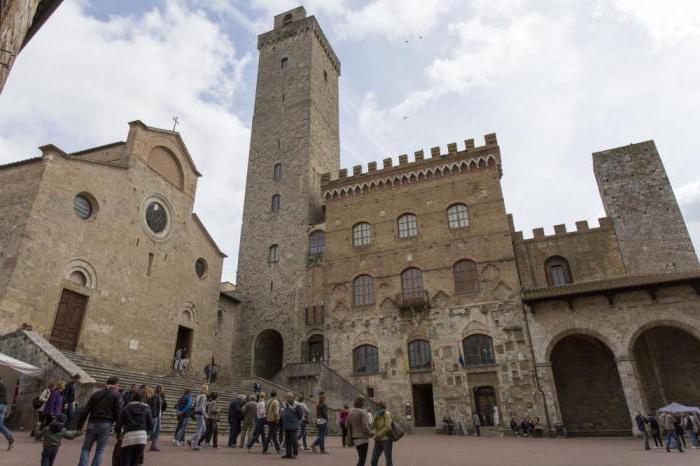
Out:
{"x": 269, "y": 351}
{"x": 668, "y": 363}
{"x": 485, "y": 402}
{"x": 590, "y": 393}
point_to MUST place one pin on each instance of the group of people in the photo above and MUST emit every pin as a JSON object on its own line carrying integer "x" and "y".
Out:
{"x": 670, "y": 428}
{"x": 527, "y": 427}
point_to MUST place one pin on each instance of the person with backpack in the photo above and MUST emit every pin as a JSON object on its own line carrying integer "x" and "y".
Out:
{"x": 200, "y": 415}
{"x": 644, "y": 428}
{"x": 668, "y": 421}
{"x": 322, "y": 423}
{"x": 133, "y": 425}
{"x": 383, "y": 443}
{"x": 101, "y": 411}
{"x": 183, "y": 409}
{"x": 54, "y": 405}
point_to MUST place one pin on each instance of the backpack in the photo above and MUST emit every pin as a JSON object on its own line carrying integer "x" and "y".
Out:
{"x": 396, "y": 432}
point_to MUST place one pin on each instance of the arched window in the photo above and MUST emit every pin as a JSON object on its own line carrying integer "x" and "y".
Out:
{"x": 284, "y": 62}
{"x": 408, "y": 226}
{"x": 361, "y": 234}
{"x": 457, "y": 216}
{"x": 275, "y": 207}
{"x": 412, "y": 284}
{"x": 277, "y": 171}
{"x": 365, "y": 359}
{"x": 558, "y": 271}
{"x": 419, "y": 356}
{"x": 466, "y": 278}
{"x": 317, "y": 242}
{"x": 274, "y": 254}
{"x": 478, "y": 350}
{"x": 362, "y": 290}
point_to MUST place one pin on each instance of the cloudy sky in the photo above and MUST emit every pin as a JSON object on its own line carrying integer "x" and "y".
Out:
{"x": 555, "y": 79}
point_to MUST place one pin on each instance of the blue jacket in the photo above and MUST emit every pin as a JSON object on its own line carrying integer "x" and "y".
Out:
{"x": 183, "y": 405}
{"x": 291, "y": 416}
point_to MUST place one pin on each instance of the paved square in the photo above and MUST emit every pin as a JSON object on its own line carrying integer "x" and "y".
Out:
{"x": 413, "y": 450}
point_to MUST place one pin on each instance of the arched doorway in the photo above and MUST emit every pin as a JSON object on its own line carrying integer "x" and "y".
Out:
{"x": 590, "y": 393}
{"x": 668, "y": 364}
{"x": 484, "y": 402}
{"x": 269, "y": 351}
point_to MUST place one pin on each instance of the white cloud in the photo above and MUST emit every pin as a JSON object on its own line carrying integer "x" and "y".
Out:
{"x": 689, "y": 200}
{"x": 87, "y": 78}
{"x": 667, "y": 22}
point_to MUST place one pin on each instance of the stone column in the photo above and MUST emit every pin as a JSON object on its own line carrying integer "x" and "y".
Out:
{"x": 546, "y": 380}
{"x": 631, "y": 387}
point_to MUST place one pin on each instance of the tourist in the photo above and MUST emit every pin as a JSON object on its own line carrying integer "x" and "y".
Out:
{"x": 304, "y": 422}
{"x": 342, "y": 418}
{"x": 690, "y": 423}
{"x": 52, "y": 436}
{"x": 644, "y": 429}
{"x": 359, "y": 431}
{"x": 477, "y": 424}
{"x": 211, "y": 372}
{"x": 54, "y": 405}
{"x": 321, "y": 423}
{"x": 235, "y": 417}
{"x": 448, "y": 425}
{"x": 370, "y": 417}
{"x": 250, "y": 410}
{"x": 178, "y": 358}
{"x": 157, "y": 404}
{"x": 200, "y": 415}
{"x": 382, "y": 439}
{"x": 69, "y": 397}
{"x": 101, "y": 411}
{"x": 127, "y": 395}
{"x": 291, "y": 420}
{"x": 211, "y": 437}
{"x": 41, "y": 404}
{"x": 272, "y": 417}
{"x": 668, "y": 421}
{"x": 680, "y": 432}
{"x": 3, "y": 410}
{"x": 183, "y": 408}
{"x": 260, "y": 422}
{"x": 655, "y": 431}
{"x": 133, "y": 425}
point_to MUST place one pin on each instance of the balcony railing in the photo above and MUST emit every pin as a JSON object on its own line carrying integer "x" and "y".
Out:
{"x": 415, "y": 301}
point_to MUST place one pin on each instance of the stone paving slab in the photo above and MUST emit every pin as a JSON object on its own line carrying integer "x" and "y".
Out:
{"x": 414, "y": 450}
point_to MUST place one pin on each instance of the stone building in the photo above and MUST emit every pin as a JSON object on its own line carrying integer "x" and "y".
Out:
{"x": 101, "y": 253}
{"x": 19, "y": 21}
{"x": 409, "y": 282}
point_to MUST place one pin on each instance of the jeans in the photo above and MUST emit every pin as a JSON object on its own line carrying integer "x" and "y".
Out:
{"x": 156, "y": 429}
{"x": 246, "y": 433}
{"x": 131, "y": 455}
{"x": 291, "y": 443}
{"x": 5, "y": 431}
{"x": 272, "y": 436}
{"x": 303, "y": 435}
{"x": 478, "y": 431}
{"x": 182, "y": 428}
{"x": 199, "y": 431}
{"x": 384, "y": 446}
{"x": 694, "y": 438}
{"x": 212, "y": 433}
{"x": 656, "y": 435}
{"x": 48, "y": 456}
{"x": 321, "y": 439}
{"x": 96, "y": 432}
{"x": 235, "y": 430}
{"x": 259, "y": 431}
{"x": 671, "y": 435}
{"x": 362, "y": 453}
{"x": 70, "y": 408}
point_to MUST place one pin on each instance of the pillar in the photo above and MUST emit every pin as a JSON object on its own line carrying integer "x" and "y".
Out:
{"x": 631, "y": 387}
{"x": 551, "y": 401}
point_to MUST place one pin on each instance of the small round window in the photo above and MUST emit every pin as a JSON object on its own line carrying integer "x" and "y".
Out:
{"x": 83, "y": 206}
{"x": 200, "y": 268}
{"x": 156, "y": 217}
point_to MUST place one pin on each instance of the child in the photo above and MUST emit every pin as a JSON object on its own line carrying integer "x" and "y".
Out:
{"x": 52, "y": 435}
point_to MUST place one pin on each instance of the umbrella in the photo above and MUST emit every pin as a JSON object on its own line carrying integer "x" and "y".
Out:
{"x": 679, "y": 408}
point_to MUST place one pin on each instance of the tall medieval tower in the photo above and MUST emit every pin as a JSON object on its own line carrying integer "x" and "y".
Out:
{"x": 294, "y": 140}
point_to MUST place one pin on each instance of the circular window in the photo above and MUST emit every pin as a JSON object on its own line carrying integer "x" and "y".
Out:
{"x": 200, "y": 267}
{"x": 156, "y": 217}
{"x": 83, "y": 206}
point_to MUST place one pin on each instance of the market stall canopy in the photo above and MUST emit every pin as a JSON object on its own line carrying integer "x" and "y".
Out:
{"x": 679, "y": 408}
{"x": 10, "y": 366}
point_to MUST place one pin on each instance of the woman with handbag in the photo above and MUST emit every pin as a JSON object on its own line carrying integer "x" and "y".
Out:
{"x": 383, "y": 442}
{"x": 322, "y": 423}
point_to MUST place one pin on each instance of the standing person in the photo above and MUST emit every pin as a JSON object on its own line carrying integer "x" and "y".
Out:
{"x": 200, "y": 415}
{"x": 643, "y": 427}
{"x": 182, "y": 409}
{"x": 680, "y": 432}
{"x": 54, "y": 405}
{"x": 235, "y": 417}
{"x": 158, "y": 405}
{"x": 272, "y": 417}
{"x": 260, "y": 422}
{"x": 133, "y": 425}
{"x": 655, "y": 431}
{"x": 304, "y": 422}
{"x": 668, "y": 421}
{"x": 3, "y": 409}
{"x": 477, "y": 424}
{"x": 322, "y": 423}
{"x": 128, "y": 394}
{"x": 52, "y": 436}
{"x": 212, "y": 434}
{"x": 382, "y": 440}
{"x": 691, "y": 424}
{"x": 342, "y": 420}
{"x": 69, "y": 397}
{"x": 250, "y": 410}
{"x": 101, "y": 411}
{"x": 359, "y": 431}
{"x": 291, "y": 419}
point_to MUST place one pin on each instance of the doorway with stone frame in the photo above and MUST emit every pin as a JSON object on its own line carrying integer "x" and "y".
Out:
{"x": 423, "y": 405}
{"x": 183, "y": 341}
{"x": 69, "y": 320}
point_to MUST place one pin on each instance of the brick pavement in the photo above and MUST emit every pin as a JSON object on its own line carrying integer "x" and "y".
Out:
{"x": 413, "y": 450}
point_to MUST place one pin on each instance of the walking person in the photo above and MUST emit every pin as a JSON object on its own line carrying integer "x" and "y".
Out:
{"x": 321, "y": 423}
{"x": 69, "y": 397}
{"x": 690, "y": 423}
{"x": 133, "y": 425}
{"x": 52, "y": 436}
{"x": 3, "y": 410}
{"x": 182, "y": 410}
{"x": 655, "y": 431}
{"x": 382, "y": 440}
{"x": 211, "y": 437}
{"x": 157, "y": 404}
{"x": 101, "y": 411}
{"x": 260, "y": 422}
{"x": 235, "y": 417}
{"x": 680, "y": 432}
{"x": 291, "y": 420}
{"x": 477, "y": 424}
{"x": 272, "y": 417}
{"x": 54, "y": 405}
{"x": 644, "y": 429}
{"x": 342, "y": 420}
{"x": 250, "y": 410}
{"x": 668, "y": 421}
{"x": 200, "y": 415}
{"x": 304, "y": 422}
{"x": 359, "y": 431}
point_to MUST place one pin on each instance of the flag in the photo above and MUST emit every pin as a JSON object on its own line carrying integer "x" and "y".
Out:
{"x": 461, "y": 358}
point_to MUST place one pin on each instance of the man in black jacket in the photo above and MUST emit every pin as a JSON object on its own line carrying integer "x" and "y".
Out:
{"x": 235, "y": 416}
{"x": 101, "y": 411}
{"x": 69, "y": 397}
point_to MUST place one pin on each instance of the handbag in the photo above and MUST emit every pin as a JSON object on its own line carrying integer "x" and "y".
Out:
{"x": 396, "y": 432}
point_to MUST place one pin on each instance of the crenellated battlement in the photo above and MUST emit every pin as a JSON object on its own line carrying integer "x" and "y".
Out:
{"x": 424, "y": 166}
{"x": 604, "y": 223}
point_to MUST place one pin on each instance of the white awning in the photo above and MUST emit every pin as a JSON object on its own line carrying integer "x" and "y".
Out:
{"x": 16, "y": 367}
{"x": 679, "y": 408}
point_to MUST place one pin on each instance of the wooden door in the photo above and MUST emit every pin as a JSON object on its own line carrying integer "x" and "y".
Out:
{"x": 69, "y": 319}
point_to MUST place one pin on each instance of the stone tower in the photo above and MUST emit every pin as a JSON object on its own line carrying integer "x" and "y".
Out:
{"x": 294, "y": 139}
{"x": 637, "y": 195}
